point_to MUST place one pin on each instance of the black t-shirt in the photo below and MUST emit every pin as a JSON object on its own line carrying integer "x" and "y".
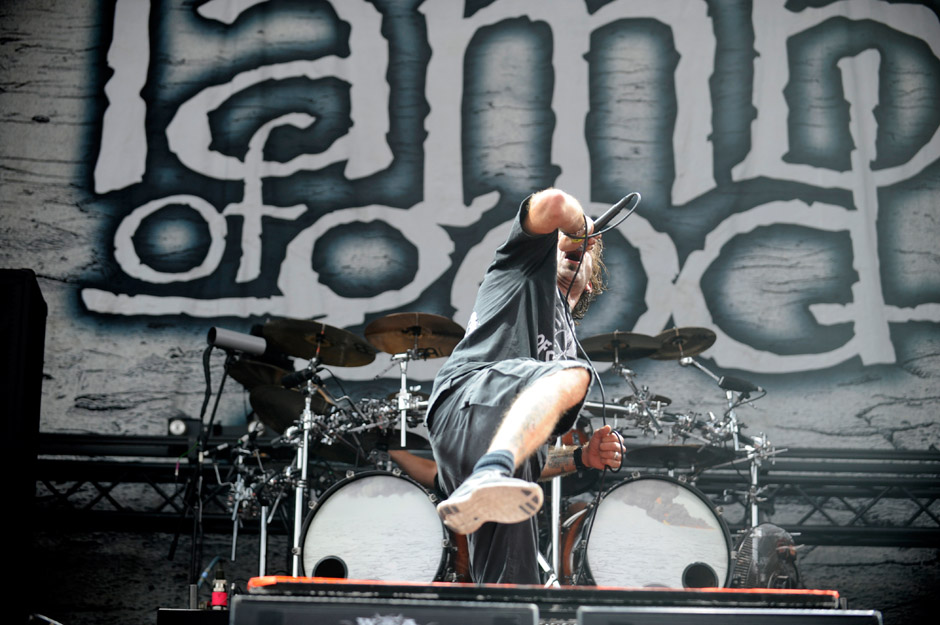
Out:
{"x": 519, "y": 310}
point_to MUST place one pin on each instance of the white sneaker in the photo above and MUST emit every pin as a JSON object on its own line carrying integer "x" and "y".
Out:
{"x": 489, "y": 496}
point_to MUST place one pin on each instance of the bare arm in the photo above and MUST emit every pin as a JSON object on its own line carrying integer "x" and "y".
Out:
{"x": 421, "y": 470}
{"x": 553, "y": 209}
{"x": 604, "y": 449}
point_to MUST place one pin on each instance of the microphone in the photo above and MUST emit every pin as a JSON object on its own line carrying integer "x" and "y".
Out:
{"x": 298, "y": 378}
{"x": 738, "y": 385}
{"x": 612, "y": 212}
{"x": 242, "y": 441}
{"x": 236, "y": 341}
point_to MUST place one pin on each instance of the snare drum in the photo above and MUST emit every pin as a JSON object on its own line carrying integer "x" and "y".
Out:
{"x": 648, "y": 532}
{"x": 378, "y": 526}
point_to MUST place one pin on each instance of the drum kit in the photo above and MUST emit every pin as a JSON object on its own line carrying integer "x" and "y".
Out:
{"x": 374, "y": 501}
{"x": 376, "y": 522}
{"x": 672, "y": 535}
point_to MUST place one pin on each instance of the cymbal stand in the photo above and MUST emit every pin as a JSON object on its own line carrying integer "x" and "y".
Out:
{"x": 754, "y": 456}
{"x": 263, "y": 544}
{"x": 269, "y": 509}
{"x": 404, "y": 395}
{"x": 642, "y": 397}
{"x": 756, "y": 448}
{"x": 256, "y": 492}
{"x": 753, "y": 452}
{"x": 240, "y": 492}
{"x": 302, "y": 459}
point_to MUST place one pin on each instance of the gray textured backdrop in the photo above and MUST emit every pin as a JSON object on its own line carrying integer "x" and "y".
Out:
{"x": 788, "y": 157}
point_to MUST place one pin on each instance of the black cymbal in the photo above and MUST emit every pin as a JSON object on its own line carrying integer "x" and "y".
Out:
{"x": 682, "y": 342}
{"x": 251, "y": 373}
{"x": 279, "y": 407}
{"x": 306, "y": 339}
{"x": 619, "y": 346}
{"x": 672, "y": 456}
{"x": 432, "y": 335}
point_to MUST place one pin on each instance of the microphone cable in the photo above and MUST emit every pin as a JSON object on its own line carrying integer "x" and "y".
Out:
{"x": 602, "y": 221}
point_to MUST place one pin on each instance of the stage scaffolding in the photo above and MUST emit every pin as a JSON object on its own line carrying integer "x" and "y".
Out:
{"x": 834, "y": 497}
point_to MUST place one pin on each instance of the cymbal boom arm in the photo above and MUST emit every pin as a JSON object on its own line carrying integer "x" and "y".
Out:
{"x": 688, "y": 360}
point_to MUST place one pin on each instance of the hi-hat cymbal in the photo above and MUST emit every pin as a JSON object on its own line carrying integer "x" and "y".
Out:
{"x": 672, "y": 456}
{"x": 432, "y": 335}
{"x": 306, "y": 339}
{"x": 681, "y": 342}
{"x": 619, "y": 346}
{"x": 278, "y": 407}
{"x": 251, "y": 373}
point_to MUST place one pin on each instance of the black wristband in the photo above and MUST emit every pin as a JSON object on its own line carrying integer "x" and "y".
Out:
{"x": 578, "y": 462}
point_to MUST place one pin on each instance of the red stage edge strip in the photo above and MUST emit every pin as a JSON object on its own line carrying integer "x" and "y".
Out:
{"x": 273, "y": 580}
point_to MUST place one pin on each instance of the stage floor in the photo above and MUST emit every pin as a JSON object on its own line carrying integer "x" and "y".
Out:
{"x": 329, "y": 600}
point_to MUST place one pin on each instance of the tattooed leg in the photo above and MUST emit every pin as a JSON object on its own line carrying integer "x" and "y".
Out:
{"x": 535, "y": 412}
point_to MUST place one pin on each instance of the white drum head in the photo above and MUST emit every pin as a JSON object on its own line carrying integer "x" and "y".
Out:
{"x": 653, "y": 532}
{"x": 377, "y": 527}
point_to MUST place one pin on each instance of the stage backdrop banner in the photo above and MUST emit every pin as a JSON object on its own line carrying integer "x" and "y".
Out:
{"x": 172, "y": 166}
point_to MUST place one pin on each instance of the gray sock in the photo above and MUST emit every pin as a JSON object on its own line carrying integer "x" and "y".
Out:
{"x": 501, "y": 460}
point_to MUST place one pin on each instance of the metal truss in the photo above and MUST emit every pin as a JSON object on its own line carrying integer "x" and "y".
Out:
{"x": 837, "y": 496}
{"x": 114, "y": 483}
{"x": 821, "y": 496}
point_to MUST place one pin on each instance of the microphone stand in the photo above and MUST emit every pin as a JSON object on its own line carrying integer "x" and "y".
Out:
{"x": 193, "y": 497}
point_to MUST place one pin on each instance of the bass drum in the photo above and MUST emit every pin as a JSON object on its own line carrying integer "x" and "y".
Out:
{"x": 377, "y": 526}
{"x": 648, "y": 532}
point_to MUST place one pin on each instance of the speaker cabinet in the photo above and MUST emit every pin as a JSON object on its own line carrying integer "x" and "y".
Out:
{"x": 22, "y": 342}
{"x": 171, "y": 616}
{"x": 723, "y": 616}
{"x": 249, "y": 610}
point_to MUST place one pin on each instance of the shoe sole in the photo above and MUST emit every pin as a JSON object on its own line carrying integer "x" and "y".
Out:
{"x": 500, "y": 503}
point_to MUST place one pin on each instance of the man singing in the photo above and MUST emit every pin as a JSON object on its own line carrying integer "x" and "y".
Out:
{"x": 514, "y": 381}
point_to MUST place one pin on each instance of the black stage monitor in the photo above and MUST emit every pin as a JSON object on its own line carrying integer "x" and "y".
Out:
{"x": 254, "y": 610}
{"x": 723, "y": 616}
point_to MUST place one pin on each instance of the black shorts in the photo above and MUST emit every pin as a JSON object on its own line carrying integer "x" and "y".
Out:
{"x": 462, "y": 424}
